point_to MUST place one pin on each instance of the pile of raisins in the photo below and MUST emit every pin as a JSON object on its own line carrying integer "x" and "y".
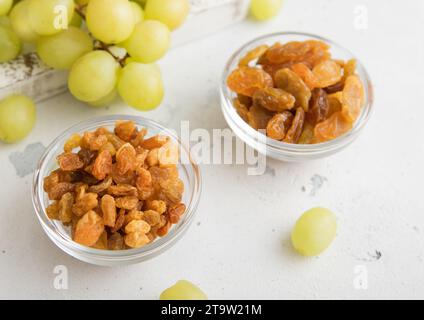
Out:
{"x": 116, "y": 190}
{"x": 297, "y": 92}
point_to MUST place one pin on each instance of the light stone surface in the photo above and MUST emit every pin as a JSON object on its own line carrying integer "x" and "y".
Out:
{"x": 238, "y": 245}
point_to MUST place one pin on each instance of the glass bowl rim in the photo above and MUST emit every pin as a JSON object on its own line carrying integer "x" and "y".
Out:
{"x": 281, "y": 146}
{"x": 151, "y": 249}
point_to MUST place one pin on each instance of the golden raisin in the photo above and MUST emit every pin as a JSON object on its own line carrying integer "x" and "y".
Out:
{"x": 120, "y": 221}
{"x": 279, "y": 125}
{"x": 89, "y": 229}
{"x": 259, "y": 117}
{"x": 156, "y": 205}
{"x": 306, "y": 75}
{"x": 102, "y": 165}
{"x": 175, "y": 212}
{"x": 109, "y": 210}
{"x": 58, "y": 190}
{"x": 247, "y": 80}
{"x": 144, "y": 184}
{"x": 122, "y": 190}
{"x": 154, "y": 142}
{"x": 85, "y": 203}
{"x": 69, "y": 162}
{"x": 327, "y": 73}
{"x": 125, "y": 130}
{"x": 296, "y": 128}
{"x": 52, "y": 210}
{"x": 133, "y": 215}
{"x": 72, "y": 143}
{"x": 252, "y": 55}
{"x": 102, "y": 186}
{"x": 128, "y": 202}
{"x": 136, "y": 239}
{"x": 65, "y": 208}
{"x": 151, "y": 217}
{"x": 273, "y": 99}
{"x": 137, "y": 226}
{"x": 353, "y": 98}
{"x": 332, "y": 128}
{"x": 125, "y": 159}
{"x": 289, "y": 81}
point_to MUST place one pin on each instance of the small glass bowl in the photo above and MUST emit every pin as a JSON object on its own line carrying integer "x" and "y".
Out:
{"x": 189, "y": 173}
{"x": 277, "y": 149}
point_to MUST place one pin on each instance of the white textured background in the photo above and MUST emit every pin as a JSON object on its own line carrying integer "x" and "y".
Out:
{"x": 238, "y": 246}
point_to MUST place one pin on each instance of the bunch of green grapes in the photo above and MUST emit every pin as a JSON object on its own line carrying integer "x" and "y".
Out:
{"x": 110, "y": 47}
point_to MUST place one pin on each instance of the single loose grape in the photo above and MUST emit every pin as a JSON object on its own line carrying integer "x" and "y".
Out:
{"x": 314, "y": 231}
{"x": 170, "y": 12}
{"x": 140, "y": 86}
{"x": 19, "y": 18}
{"x": 93, "y": 76}
{"x": 61, "y": 50}
{"x": 17, "y": 118}
{"x": 265, "y": 9}
{"x": 5, "y": 6}
{"x": 110, "y": 21}
{"x": 48, "y": 17}
{"x": 183, "y": 290}
{"x": 149, "y": 41}
{"x": 138, "y": 12}
{"x": 10, "y": 45}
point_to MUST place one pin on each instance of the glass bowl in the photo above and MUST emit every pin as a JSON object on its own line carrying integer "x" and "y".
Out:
{"x": 277, "y": 149}
{"x": 189, "y": 173}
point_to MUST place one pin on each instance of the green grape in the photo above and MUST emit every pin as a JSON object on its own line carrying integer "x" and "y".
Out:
{"x": 19, "y": 18}
{"x": 141, "y": 2}
{"x": 108, "y": 99}
{"x": 17, "y": 118}
{"x": 171, "y": 12}
{"x": 183, "y": 290}
{"x": 138, "y": 12}
{"x": 76, "y": 21}
{"x": 110, "y": 21}
{"x": 140, "y": 86}
{"x": 48, "y": 17}
{"x": 5, "y": 22}
{"x": 61, "y": 50}
{"x": 149, "y": 41}
{"x": 82, "y": 2}
{"x": 5, "y": 6}
{"x": 93, "y": 76}
{"x": 265, "y": 9}
{"x": 10, "y": 45}
{"x": 314, "y": 231}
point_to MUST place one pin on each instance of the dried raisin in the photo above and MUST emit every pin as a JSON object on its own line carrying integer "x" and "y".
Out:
{"x": 273, "y": 99}
{"x": 296, "y": 128}
{"x": 247, "y": 80}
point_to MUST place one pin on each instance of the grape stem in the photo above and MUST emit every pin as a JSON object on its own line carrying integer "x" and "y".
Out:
{"x": 101, "y": 45}
{"x": 79, "y": 10}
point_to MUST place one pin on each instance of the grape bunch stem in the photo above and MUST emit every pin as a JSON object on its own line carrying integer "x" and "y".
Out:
{"x": 99, "y": 44}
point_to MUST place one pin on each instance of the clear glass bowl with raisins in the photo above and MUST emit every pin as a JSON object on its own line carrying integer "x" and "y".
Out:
{"x": 295, "y": 96}
{"x": 116, "y": 190}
